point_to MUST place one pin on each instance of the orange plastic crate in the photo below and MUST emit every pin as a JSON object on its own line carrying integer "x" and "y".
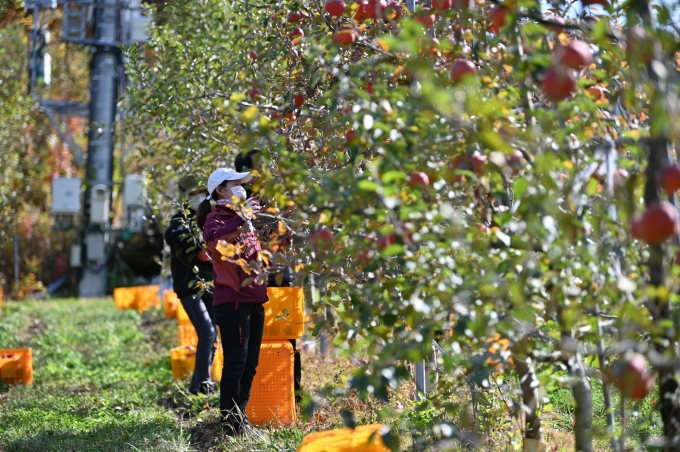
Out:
{"x": 218, "y": 363}
{"x": 183, "y": 362}
{"x": 187, "y": 335}
{"x": 16, "y": 366}
{"x": 272, "y": 398}
{"x": 365, "y": 438}
{"x": 125, "y": 297}
{"x": 170, "y": 302}
{"x": 182, "y": 316}
{"x": 287, "y": 302}
{"x": 147, "y": 297}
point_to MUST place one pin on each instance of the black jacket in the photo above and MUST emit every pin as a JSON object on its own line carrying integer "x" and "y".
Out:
{"x": 184, "y": 251}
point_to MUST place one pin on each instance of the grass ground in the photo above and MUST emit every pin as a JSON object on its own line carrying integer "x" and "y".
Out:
{"x": 102, "y": 382}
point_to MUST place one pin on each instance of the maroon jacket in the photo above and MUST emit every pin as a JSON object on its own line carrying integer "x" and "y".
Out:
{"x": 224, "y": 224}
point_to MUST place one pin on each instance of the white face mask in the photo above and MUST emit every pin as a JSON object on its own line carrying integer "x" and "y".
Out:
{"x": 195, "y": 200}
{"x": 239, "y": 192}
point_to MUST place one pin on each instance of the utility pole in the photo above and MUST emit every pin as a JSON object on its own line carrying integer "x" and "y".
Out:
{"x": 99, "y": 180}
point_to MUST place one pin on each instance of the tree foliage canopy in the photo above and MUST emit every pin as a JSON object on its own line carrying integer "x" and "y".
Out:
{"x": 488, "y": 211}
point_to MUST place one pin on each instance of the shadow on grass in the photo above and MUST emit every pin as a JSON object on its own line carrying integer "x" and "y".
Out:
{"x": 128, "y": 436}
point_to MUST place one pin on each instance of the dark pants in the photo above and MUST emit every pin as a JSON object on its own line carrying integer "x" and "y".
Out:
{"x": 202, "y": 316}
{"x": 241, "y": 327}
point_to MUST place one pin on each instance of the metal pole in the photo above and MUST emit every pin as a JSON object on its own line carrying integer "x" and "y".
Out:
{"x": 16, "y": 262}
{"x": 315, "y": 299}
{"x": 104, "y": 95}
{"x": 421, "y": 381}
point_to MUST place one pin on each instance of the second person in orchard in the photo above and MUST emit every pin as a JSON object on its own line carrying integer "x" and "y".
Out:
{"x": 238, "y": 308}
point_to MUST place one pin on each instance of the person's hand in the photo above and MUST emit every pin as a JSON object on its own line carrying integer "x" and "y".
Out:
{"x": 253, "y": 204}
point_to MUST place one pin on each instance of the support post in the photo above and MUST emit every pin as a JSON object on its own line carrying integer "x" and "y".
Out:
{"x": 16, "y": 262}
{"x": 421, "y": 380}
{"x": 104, "y": 95}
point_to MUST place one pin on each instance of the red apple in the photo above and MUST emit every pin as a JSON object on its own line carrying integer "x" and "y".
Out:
{"x": 575, "y": 55}
{"x": 393, "y": 11}
{"x": 289, "y": 114}
{"x": 322, "y": 238}
{"x": 426, "y": 18}
{"x": 497, "y": 16}
{"x": 462, "y": 68}
{"x": 336, "y": 7}
{"x": 479, "y": 164}
{"x": 657, "y": 224}
{"x": 254, "y": 93}
{"x": 559, "y": 83}
{"x": 632, "y": 377}
{"x": 441, "y": 5}
{"x": 639, "y": 47}
{"x": 418, "y": 179}
{"x": 297, "y": 32}
{"x": 596, "y": 92}
{"x": 351, "y": 135}
{"x": 376, "y": 9}
{"x": 344, "y": 36}
{"x": 295, "y": 17}
{"x": 670, "y": 179}
{"x": 361, "y": 13}
{"x": 516, "y": 158}
{"x": 369, "y": 87}
{"x": 253, "y": 55}
{"x": 299, "y": 100}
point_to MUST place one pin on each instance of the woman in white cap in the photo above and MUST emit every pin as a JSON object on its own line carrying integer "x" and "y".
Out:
{"x": 238, "y": 309}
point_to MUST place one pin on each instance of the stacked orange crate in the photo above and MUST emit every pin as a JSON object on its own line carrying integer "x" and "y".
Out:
{"x": 272, "y": 398}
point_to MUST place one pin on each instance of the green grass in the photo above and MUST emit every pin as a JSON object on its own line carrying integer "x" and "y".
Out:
{"x": 102, "y": 382}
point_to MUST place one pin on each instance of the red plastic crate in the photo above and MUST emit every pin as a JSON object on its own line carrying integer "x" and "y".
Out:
{"x": 16, "y": 366}
{"x": 272, "y": 398}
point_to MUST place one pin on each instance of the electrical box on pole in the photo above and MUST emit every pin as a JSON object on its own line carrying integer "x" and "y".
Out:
{"x": 99, "y": 205}
{"x": 76, "y": 253}
{"x": 95, "y": 247}
{"x": 65, "y": 196}
{"x": 134, "y": 191}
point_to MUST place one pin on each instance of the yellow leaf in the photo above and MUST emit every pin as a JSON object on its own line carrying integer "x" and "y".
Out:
{"x": 249, "y": 114}
{"x": 568, "y": 164}
{"x": 282, "y": 228}
{"x": 299, "y": 267}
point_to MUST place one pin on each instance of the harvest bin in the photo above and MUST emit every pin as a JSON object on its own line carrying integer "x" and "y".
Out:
{"x": 170, "y": 302}
{"x": 272, "y": 398}
{"x": 183, "y": 362}
{"x": 16, "y": 366}
{"x": 187, "y": 332}
{"x": 283, "y": 301}
{"x": 139, "y": 298}
{"x": 365, "y": 438}
{"x": 287, "y": 302}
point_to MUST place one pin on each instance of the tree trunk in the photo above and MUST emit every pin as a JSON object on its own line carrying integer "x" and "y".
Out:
{"x": 530, "y": 398}
{"x": 583, "y": 410}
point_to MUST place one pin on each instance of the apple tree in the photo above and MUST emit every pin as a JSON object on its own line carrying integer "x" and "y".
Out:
{"x": 489, "y": 183}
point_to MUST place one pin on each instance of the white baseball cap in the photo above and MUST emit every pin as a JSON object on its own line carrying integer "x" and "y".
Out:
{"x": 221, "y": 174}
